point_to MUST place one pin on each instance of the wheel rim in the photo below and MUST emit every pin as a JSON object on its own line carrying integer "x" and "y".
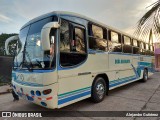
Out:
{"x": 145, "y": 75}
{"x": 100, "y": 90}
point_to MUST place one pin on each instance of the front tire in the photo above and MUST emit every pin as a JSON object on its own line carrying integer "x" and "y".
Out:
{"x": 98, "y": 90}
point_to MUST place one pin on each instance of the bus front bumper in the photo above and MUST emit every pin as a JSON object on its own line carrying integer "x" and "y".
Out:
{"x": 35, "y": 94}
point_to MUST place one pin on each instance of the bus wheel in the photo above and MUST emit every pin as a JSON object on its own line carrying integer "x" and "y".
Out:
{"x": 145, "y": 75}
{"x": 98, "y": 90}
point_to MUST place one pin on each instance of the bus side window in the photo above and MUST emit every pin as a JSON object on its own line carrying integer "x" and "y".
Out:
{"x": 114, "y": 37}
{"x": 97, "y": 31}
{"x": 148, "y": 50}
{"x": 72, "y": 44}
{"x": 114, "y": 43}
{"x": 79, "y": 42}
{"x": 136, "y": 49}
{"x": 142, "y": 50}
{"x": 97, "y": 40}
{"x": 64, "y": 36}
{"x": 127, "y": 48}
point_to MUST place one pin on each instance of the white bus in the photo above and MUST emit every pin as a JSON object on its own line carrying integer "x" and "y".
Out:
{"x": 66, "y": 57}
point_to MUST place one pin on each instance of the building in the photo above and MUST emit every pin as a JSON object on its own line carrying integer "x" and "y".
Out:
{"x": 157, "y": 56}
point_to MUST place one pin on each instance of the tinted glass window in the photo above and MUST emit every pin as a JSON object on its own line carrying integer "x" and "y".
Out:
{"x": 34, "y": 52}
{"x": 114, "y": 47}
{"x": 97, "y": 44}
{"x": 64, "y": 36}
{"x": 79, "y": 40}
{"x": 147, "y": 47}
{"x": 72, "y": 44}
{"x": 97, "y": 31}
{"x": 135, "y": 43}
{"x": 142, "y": 52}
{"x": 142, "y": 45}
{"x": 22, "y": 37}
{"x": 136, "y": 50}
{"x": 37, "y": 27}
{"x": 127, "y": 49}
{"x": 114, "y": 37}
{"x": 127, "y": 40}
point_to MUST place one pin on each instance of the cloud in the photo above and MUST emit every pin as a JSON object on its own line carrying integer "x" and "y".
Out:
{"x": 121, "y": 14}
{"x": 5, "y": 19}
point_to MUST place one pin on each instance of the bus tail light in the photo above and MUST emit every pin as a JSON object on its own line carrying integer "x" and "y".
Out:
{"x": 48, "y": 91}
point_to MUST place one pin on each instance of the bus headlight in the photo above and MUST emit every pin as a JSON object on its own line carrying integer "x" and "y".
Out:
{"x": 38, "y": 93}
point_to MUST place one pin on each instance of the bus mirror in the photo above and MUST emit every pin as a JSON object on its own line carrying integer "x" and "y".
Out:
{"x": 8, "y": 41}
{"x": 45, "y": 34}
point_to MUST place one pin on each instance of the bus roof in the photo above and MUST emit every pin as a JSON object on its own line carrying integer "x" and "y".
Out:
{"x": 66, "y": 13}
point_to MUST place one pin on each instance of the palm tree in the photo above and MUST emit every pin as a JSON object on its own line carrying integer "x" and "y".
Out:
{"x": 149, "y": 24}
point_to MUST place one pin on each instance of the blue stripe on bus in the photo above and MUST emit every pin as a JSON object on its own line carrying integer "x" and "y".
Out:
{"x": 121, "y": 82}
{"x": 34, "y": 71}
{"x": 62, "y": 101}
{"x": 135, "y": 71}
{"x": 150, "y": 69}
{"x": 28, "y": 83}
{"x": 79, "y": 95}
{"x": 145, "y": 64}
{"x": 122, "y": 79}
{"x": 73, "y": 93}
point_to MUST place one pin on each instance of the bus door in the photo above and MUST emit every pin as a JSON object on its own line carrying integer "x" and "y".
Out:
{"x": 73, "y": 75}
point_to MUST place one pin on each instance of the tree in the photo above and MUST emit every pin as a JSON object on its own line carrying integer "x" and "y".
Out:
{"x": 149, "y": 24}
{"x": 3, "y": 38}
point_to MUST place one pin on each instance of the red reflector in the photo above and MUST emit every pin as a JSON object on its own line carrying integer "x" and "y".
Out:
{"x": 49, "y": 98}
{"x": 39, "y": 98}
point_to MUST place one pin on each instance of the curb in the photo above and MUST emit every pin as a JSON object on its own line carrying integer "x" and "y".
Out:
{"x": 8, "y": 91}
{"x": 2, "y": 93}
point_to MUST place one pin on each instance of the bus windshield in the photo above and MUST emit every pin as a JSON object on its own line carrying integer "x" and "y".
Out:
{"x": 31, "y": 55}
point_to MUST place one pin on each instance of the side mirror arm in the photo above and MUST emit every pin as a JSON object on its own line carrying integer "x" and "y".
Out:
{"x": 45, "y": 34}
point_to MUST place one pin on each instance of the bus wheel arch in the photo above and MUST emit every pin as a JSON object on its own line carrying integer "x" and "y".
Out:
{"x": 103, "y": 80}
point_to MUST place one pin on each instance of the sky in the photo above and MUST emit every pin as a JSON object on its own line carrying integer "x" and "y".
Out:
{"x": 120, "y": 14}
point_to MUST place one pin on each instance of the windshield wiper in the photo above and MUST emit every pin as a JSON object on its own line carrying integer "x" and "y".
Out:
{"x": 25, "y": 63}
{"x": 14, "y": 67}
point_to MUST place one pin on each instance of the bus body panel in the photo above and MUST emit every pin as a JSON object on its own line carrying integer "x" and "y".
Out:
{"x": 75, "y": 83}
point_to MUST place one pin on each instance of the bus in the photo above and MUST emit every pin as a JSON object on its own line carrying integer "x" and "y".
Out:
{"x": 66, "y": 57}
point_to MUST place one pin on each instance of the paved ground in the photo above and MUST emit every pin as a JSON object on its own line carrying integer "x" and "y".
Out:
{"x": 136, "y": 96}
{"x": 4, "y": 89}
